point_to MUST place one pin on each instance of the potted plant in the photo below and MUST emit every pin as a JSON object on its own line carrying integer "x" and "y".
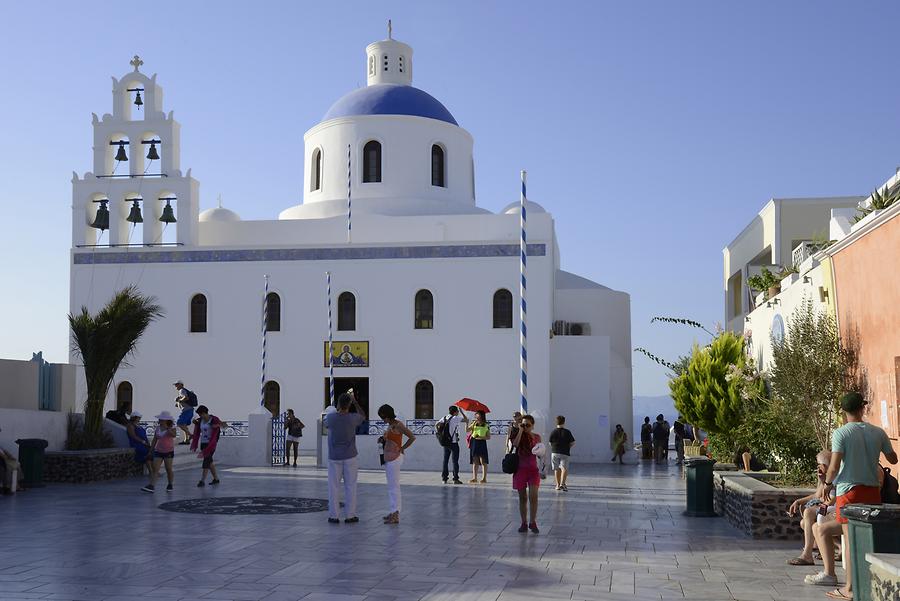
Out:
{"x": 765, "y": 280}
{"x": 880, "y": 200}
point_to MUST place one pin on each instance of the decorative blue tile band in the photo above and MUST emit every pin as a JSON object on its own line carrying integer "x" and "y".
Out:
{"x": 351, "y": 253}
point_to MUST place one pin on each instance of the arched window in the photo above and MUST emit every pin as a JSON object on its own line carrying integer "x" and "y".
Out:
{"x": 503, "y": 309}
{"x": 272, "y": 397}
{"x": 346, "y": 313}
{"x": 273, "y": 312}
{"x": 437, "y": 166}
{"x": 424, "y": 312}
{"x": 316, "y": 176}
{"x": 424, "y": 400}
{"x": 372, "y": 162}
{"x": 124, "y": 397}
{"x": 198, "y": 313}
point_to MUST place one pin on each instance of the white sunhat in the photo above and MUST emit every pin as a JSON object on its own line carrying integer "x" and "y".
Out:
{"x": 539, "y": 450}
{"x": 165, "y": 415}
{"x": 135, "y": 414}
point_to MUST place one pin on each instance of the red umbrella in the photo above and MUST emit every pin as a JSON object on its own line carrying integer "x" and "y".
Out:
{"x": 472, "y": 405}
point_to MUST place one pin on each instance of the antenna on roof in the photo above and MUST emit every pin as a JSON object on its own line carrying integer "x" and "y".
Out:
{"x": 219, "y": 199}
{"x": 390, "y": 30}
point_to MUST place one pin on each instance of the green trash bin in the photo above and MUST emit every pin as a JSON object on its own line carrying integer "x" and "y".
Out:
{"x": 871, "y": 529}
{"x": 699, "y": 478}
{"x": 31, "y": 458}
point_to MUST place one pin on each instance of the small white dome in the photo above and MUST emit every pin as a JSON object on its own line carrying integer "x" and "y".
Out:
{"x": 530, "y": 207}
{"x": 219, "y": 214}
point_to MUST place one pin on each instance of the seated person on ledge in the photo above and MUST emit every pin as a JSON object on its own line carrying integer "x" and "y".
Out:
{"x": 747, "y": 461}
{"x": 810, "y": 508}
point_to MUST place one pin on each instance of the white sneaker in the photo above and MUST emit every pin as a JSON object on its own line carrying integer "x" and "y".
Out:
{"x": 822, "y": 579}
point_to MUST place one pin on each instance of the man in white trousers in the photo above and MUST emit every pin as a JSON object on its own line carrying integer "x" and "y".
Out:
{"x": 342, "y": 462}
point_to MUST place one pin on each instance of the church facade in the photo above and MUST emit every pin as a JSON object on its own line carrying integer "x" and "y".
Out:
{"x": 424, "y": 283}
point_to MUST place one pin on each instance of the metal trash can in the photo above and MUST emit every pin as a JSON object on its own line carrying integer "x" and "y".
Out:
{"x": 871, "y": 529}
{"x": 31, "y": 458}
{"x": 699, "y": 480}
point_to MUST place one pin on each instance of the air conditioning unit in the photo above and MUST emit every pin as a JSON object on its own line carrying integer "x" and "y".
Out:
{"x": 567, "y": 328}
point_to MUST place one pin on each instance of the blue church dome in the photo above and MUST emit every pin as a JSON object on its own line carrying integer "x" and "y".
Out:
{"x": 389, "y": 99}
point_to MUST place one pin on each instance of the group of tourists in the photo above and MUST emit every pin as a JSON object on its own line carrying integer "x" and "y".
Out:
{"x": 849, "y": 473}
{"x": 160, "y": 451}
{"x": 655, "y": 438}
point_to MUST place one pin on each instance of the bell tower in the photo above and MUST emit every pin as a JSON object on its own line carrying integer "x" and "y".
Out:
{"x": 389, "y": 61}
{"x": 136, "y": 177}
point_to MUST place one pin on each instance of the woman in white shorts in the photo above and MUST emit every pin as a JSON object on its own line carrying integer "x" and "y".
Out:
{"x": 293, "y": 431}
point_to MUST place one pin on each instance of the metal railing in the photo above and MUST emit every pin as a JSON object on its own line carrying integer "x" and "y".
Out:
{"x": 236, "y": 429}
{"x": 805, "y": 250}
{"x": 422, "y": 427}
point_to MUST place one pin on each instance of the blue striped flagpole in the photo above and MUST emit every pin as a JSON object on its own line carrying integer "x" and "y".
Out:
{"x": 265, "y": 321}
{"x": 349, "y": 203}
{"x": 330, "y": 342}
{"x": 523, "y": 332}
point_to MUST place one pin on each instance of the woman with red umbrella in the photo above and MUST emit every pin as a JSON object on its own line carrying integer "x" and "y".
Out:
{"x": 478, "y": 450}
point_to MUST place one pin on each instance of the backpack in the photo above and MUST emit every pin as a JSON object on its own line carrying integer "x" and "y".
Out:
{"x": 190, "y": 398}
{"x": 442, "y": 432}
{"x": 890, "y": 490}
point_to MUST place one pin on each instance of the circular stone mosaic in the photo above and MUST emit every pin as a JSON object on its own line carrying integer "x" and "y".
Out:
{"x": 247, "y": 505}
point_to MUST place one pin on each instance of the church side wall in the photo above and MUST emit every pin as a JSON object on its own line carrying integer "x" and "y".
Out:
{"x": 462, "y": 356}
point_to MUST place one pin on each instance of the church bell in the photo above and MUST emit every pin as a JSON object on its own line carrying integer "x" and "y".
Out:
{"x": 152, "y": 154}
{"x": 101, "y": 220}
{"x": 137, "y": 99}
{"x": 135, "y": 215}
{"x": 120, "y": 154}
{"x": 168, "y": 214}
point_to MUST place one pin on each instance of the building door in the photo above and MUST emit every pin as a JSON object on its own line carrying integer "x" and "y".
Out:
{"x": 360, "y": 387}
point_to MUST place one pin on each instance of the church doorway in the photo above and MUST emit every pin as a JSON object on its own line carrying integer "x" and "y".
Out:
{"x": 360, "y": 387}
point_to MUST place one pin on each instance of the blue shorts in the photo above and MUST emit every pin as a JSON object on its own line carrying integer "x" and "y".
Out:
{"x": 187, "y": 414}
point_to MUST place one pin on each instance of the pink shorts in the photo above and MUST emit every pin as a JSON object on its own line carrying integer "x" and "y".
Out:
{"x": 525, "y": 475}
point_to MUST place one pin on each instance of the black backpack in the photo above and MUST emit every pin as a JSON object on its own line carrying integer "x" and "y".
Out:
{"x": 510, "y": 463}
{"x": 190, "y": 398}
{"x": 442, "y": 432}
{"x": 890, "y": 490}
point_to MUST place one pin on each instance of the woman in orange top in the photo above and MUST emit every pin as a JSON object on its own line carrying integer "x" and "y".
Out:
{"x": 393, "y": 458}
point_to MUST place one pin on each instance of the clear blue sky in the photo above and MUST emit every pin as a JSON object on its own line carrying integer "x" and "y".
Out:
{"x": 653, "y": 131}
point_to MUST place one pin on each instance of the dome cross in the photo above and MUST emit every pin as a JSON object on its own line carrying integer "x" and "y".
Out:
{"x": 136, "y": 62}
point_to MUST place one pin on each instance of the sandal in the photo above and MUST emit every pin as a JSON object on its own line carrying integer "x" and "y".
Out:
{"x": 799, "y": 561}
{"x": 837, "y": 594}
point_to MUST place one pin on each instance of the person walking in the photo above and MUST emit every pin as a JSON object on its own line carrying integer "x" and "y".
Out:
{"x": 394, "y": 447}
{"x": 206, "y": 430}
{"x": 660, "y": 438}
{"x": 450, "y": 443}
{"x": 342, "y": 457}
{"x": 294, "y": 430}
{"x": 680, "y": 434}
{"x": 527, "y": 478}
{"x": 646, "y": 439}
{"x": 163, "y": 447}
{"x": 619, "y": 440}
{"x": 561, "y": 443}
{"x": 186, "y": 401}
{"x": 852, "y": 477}
{"x": 478, "y": 450}
{"x": 137, "y": 438}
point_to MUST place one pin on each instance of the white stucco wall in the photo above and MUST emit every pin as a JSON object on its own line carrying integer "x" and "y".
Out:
{"x": 22, "y": 423}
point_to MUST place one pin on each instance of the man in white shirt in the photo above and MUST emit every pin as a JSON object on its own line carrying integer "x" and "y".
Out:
{"x": 452, "y": 421}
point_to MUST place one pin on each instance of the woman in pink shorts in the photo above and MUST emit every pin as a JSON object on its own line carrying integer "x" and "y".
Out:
{"x": 527, "y": 478}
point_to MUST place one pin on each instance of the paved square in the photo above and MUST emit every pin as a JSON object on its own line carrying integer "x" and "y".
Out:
{"x": 617, "y": 534}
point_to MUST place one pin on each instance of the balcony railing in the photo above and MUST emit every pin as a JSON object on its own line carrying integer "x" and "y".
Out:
{"x": 240, "y": 429}
{"x": 805, "y": 250}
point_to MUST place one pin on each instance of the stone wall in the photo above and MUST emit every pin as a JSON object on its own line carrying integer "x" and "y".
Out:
{"x": 90, "y": 466}
{"x": 885, "y": 572}
{"x": 756, "y": 508}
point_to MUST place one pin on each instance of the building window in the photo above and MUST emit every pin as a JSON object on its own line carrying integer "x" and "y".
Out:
{"x": 424, "y": 400}
{"x": 401, "y": 64}
{"x": 424, "y": 312}
{"x": 273, "y": 312}
{"x": 385, "y": 62}
{"x": 346, "y": 317}
{"x": 437, "y": 166}
{"x": 124, "y": 397}
{"x": 503, "y": 309}
{"x": 372, "y": 65}
{"x": 272, "y": 397}
{"x": 316, "y": 175}
{"x": 198, "y": 313}
{"x": 372, "y": 162}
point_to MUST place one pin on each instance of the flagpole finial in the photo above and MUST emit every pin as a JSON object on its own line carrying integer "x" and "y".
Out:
{"x": 219, "y": 200}
{"x": 390, "y": 30}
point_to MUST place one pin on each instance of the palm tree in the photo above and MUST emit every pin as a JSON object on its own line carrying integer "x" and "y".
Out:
{"x": 103, "y": 341}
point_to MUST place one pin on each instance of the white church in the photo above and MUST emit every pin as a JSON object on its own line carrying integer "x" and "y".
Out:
{"x": 425, "y": 284}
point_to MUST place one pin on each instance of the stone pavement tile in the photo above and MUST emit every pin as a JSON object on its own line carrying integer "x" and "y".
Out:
{"x": 232, "y": 594}
{"x": 456, "y": 592}
{"x": 24, "y": 595}
{"x": 332, "y": 597}
{"x": 283, "y": 596}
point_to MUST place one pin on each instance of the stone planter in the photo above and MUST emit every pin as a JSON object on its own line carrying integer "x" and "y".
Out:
{"x": 885, "y": 571}
{"x": 756, "y": 508}
{"x": 90, "y": 466}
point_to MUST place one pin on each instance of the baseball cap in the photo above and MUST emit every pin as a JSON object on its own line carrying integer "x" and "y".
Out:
{"x": 852, "y": 401}
{"x": 177, "y": 382}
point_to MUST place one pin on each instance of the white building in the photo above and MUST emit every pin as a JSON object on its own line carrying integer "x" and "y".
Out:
{"x": 427, "y": 285}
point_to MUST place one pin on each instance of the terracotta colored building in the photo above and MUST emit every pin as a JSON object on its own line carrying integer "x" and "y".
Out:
{"x": 867, "y": 283}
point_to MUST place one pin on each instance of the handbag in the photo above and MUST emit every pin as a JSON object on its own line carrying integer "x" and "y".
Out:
{"x": 510, "y": 462}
